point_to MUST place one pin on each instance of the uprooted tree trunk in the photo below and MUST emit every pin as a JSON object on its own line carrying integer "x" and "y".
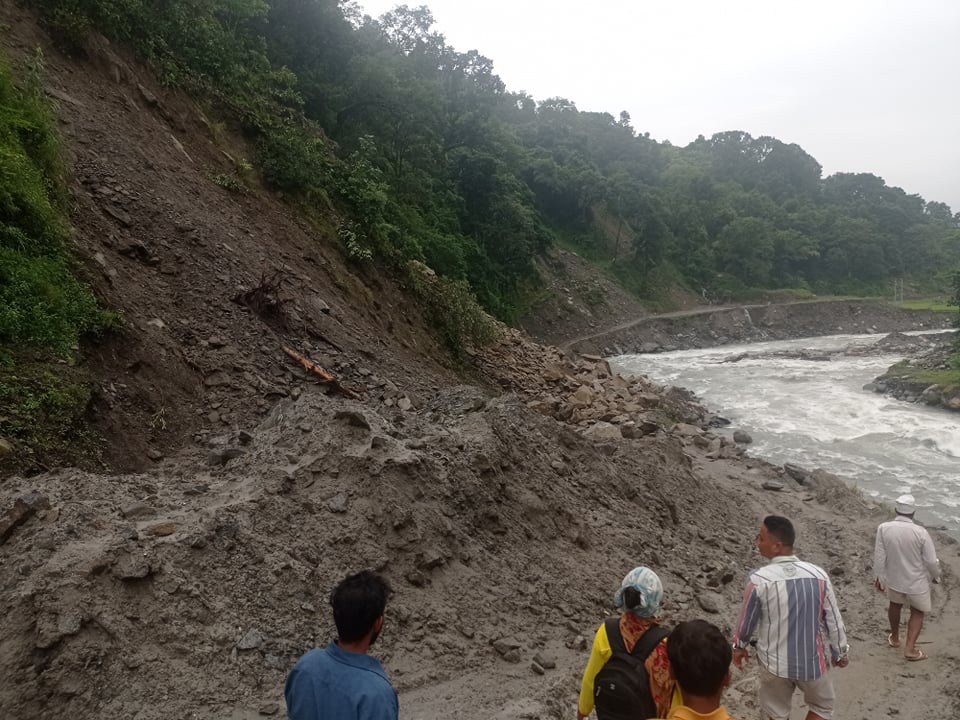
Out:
{"x": 264, "y": 299}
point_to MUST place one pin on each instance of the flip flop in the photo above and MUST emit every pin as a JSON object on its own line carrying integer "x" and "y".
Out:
{"x": 919, "y": 656}
{"x": 890, "y": 641}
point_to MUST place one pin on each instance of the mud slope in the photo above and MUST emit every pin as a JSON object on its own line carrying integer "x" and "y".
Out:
{"x": 165, "y": 245}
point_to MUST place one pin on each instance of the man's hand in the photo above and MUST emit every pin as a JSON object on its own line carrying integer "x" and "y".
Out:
{"x": 740, "y": 656}
{"x": 841, "y": 662}
{"x": 878, "y": 585}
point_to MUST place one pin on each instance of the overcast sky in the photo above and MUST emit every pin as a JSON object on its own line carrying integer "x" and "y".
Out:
{"x": 863, "y": 86}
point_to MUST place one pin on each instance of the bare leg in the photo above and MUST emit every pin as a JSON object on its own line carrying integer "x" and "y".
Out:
{"x": 811, "y": 715}
{"x": 893, "y": 614}
{"x": 914, "y": 626}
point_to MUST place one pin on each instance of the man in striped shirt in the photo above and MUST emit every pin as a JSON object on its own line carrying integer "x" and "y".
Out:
{"x": 786, "y": 605}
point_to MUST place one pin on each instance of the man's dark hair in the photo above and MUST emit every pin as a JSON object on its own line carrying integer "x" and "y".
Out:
{"x": 357, "y": 603}
{"x": 781, "y": 529}
{"x": 699, "y": 657}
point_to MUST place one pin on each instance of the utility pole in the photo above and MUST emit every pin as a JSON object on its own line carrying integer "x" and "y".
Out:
{"x": 898, "y": 290}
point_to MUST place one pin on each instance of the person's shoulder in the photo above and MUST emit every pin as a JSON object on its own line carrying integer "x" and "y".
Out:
{"x": 762, "y": 574}
{"x": 377, "y": 686}
{"x": 312, "y": 657}
{"x": 682, "y": 712}
{"x": 814, "y": 569}
{"x": 317, "y": 660}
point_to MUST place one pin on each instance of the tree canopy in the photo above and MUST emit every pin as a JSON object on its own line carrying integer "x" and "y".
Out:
{"x": 430, "y": 157}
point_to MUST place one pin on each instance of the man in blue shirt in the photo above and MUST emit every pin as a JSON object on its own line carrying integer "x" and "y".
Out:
{"x": 341, "y": 681}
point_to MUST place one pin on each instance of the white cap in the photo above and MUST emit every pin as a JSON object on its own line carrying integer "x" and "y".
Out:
{"x": 906, "y": 505}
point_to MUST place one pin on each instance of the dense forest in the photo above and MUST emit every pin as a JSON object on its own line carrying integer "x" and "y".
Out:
{"x": 421, "y": 153}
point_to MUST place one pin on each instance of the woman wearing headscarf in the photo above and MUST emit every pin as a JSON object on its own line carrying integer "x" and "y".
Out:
{"x": 638, "y": 600}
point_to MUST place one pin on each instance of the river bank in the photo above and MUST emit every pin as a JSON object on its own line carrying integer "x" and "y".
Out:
{"x": 711, "y": 327}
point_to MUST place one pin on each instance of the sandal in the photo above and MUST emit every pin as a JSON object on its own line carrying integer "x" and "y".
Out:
{"x": 919, "y": 656}
{"x": 891, "y": 642}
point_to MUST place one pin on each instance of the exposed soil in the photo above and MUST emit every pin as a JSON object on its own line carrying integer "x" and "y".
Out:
{"x": 186, "y": 583}
{"x": 576, "y": 300}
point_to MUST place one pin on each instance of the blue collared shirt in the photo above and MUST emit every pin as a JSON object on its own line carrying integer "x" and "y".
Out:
{"x": 335, "y": 684}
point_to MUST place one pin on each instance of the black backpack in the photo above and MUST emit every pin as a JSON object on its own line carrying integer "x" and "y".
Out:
{"x": 622, "y": 687}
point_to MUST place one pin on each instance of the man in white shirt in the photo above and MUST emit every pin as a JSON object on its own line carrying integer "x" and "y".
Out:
{"x": 904, "y": 563}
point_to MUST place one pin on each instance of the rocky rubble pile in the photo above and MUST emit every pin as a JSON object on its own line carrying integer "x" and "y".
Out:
{"x": 927, "y": 355}
{"x": 583, "y": 391}
{"x": 208, "y": 575}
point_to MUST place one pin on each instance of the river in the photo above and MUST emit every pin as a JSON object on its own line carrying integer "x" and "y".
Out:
{"x": 815, "y": 414}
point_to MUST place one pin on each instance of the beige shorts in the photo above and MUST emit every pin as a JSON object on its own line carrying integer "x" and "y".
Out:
{"x": 776, "y": 695}
{"x": 918, "y": 601}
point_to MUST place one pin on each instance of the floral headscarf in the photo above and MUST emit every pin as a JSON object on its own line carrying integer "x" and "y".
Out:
{"x": 645, "y": 581}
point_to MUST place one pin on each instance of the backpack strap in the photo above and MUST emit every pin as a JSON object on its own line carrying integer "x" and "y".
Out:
{"x": 614, "y": 636}
{"x": 643, "y": 647}
{"x": 649, "y": 640}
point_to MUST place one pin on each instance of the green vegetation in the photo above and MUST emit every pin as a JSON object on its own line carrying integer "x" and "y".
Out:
{"x": 955, "y": 300}
{"x": 948, "y": 379}
{"x": 438, "y": 162}
{"x": 425, "y": 155}
{"x": 41, "y": 304}
{"x": 933, "y": 305}
{"x": 44, "y": 310}
{"x": 452, "y": 309}
{"x": 43, "y": 410}
{"x": 229, "y": 182}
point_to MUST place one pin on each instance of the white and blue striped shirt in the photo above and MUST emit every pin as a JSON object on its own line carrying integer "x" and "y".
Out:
{"x": 786, "y": 606}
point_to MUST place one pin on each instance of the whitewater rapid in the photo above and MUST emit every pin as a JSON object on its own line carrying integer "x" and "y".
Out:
{"x": 815, "y": 414}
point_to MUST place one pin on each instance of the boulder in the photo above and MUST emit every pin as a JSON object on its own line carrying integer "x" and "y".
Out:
{"x": 603, "y": 431}
{"x": 797, "y": 473}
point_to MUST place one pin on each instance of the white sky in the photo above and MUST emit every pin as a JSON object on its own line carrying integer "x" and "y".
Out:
{"x": 862, "y": 85}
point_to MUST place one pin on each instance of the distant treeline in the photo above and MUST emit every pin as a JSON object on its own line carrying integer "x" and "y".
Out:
{"x": 426, "y": 155}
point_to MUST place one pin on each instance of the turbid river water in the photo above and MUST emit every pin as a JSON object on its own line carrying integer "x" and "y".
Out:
{"x": 816, "y": 415}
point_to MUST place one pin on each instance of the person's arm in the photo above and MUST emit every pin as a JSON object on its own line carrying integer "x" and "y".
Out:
{"x": 298, "y": 693}
{"x": 750, "y": 612}
{"x": 930, "y": 558}
{"x": 599, "y": 655}
{"x": 835, "y": 629}
{"x": 379, "y": 703}
{"x": 879, "y": 562}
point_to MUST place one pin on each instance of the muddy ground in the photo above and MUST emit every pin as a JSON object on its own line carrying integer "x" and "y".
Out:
{"x": 504, "y": 500}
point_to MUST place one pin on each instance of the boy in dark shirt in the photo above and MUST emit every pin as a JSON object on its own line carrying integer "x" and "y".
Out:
{"x": 700, "y": 660}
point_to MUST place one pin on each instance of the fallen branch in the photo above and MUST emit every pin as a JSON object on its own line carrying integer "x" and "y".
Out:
{"x": 309, "y": 365}
{"x": 325, "y": 377}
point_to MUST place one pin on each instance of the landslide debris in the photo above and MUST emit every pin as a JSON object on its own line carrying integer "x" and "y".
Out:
{"x": 198, "y": 583}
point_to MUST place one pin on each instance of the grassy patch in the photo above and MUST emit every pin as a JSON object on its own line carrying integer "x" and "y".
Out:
{"x": 43, "y": 411}
{"x": 44, "y": 309}
{"x": 42, "y": 305}
{"x": 949, "y": 378}
{"x": 935, "y": 305}
{"x": 452, "y": 310}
